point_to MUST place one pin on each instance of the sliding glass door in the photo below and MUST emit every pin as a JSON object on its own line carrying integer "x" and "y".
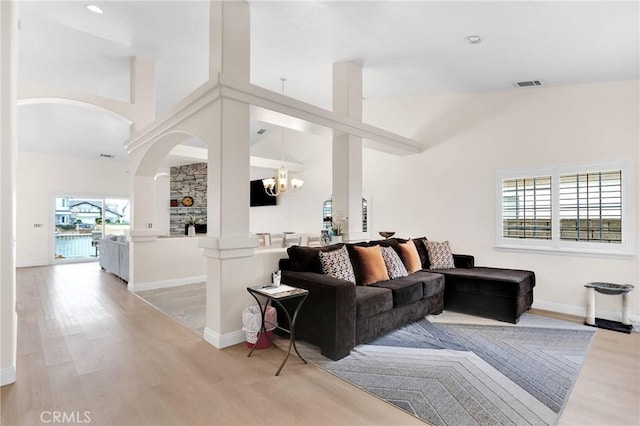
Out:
{"x": 80, "y": 222}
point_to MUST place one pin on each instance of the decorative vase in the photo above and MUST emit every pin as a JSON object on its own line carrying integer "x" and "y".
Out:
{"x": 336, "y": 239}
{"x": 191, "y": 231}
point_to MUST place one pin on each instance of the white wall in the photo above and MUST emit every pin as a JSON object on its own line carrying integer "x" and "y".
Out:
{"x": 167, "y": 262}
{"x": 42, "y": 177}
{"x": 301, "y": 212}
{"x": 448, "y": 192}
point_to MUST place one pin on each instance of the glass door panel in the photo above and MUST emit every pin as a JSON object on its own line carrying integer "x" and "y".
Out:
{"x": 80, "y": 222}
{"x": 76, "y": 226}
{"x": 116, "y": 216}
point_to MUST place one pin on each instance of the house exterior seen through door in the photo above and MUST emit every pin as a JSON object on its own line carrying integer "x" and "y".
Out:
{"x": 80, "y": 222}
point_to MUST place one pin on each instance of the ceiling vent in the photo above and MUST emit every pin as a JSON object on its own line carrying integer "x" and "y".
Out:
{"x": 262, "y": 131}
{"x": 107, "y": 156}
{"x": 532, "y": 83}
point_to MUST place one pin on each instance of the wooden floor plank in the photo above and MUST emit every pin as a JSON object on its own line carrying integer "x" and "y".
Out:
{"x": 87, "y": 344}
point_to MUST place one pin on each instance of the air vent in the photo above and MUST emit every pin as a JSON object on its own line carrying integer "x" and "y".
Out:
{"x": 262, "y": 131}
{"x": 531, "y": 83}
{"x": 107, "y": 156}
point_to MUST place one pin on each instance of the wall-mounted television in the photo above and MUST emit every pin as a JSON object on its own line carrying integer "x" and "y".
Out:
{"x": 259, "y": 196}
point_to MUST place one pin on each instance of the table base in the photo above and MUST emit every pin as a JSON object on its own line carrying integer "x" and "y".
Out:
{"x": 611, "y": 325}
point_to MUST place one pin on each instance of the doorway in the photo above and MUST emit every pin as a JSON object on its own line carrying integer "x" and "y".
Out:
{"x": 80, "y": 222}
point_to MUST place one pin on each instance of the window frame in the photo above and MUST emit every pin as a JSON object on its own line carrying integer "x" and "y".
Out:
{"x": 555, "y": 244}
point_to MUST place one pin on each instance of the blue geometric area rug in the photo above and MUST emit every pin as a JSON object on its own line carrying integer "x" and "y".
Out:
{"x": 490, "y": 373}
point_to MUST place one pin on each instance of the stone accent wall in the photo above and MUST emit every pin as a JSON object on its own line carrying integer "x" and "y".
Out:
{"x": 188, "y": 180}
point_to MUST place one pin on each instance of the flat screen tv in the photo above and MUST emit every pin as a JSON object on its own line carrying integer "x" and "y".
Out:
{"x": 259, "y": 197}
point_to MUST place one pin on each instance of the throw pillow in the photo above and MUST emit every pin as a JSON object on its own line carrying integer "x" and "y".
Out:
{"x": 440, "y": 255}
{"x": 337, "y": 264}
{"x": 409, "y": 255}
{"x": 395, "y": 267}
{"x": 371, "y": 264}
{"x": 305, "y": 259}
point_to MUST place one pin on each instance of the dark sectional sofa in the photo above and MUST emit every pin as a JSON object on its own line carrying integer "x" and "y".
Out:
{"x": 339, "y": 315}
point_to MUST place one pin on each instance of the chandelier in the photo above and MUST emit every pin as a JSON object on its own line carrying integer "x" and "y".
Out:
{"x": 281, "y": 184}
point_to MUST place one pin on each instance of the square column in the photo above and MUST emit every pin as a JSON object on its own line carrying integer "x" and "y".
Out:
{"x": 228, "y": 247}
{"x": 347, "y": 150}
{"x": 8, "y": 160}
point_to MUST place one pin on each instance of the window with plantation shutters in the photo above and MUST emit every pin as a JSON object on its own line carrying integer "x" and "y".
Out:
{"x": 591, "y": 206}
{"x": 575, "y": 208}
{"x": 526, "y": 208}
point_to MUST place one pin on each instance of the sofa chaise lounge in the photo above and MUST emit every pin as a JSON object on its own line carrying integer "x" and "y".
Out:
{"x": 339, "y": 315}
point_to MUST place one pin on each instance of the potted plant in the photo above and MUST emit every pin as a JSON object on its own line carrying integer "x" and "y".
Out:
{"x": 191, "y": 221}
{"x": 337, "y": 224}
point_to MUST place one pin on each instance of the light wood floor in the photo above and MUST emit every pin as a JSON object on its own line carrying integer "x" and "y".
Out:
{"x": 86, "y": 344}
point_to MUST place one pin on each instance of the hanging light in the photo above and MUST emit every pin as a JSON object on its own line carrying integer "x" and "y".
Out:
{"x": 281, "y": 184}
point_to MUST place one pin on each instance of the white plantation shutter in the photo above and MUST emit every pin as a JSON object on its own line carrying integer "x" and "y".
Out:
{"x": 591, "y": 206}
{"x": 526, "y": 208}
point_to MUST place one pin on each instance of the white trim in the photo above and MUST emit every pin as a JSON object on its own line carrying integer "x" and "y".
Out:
{"x": 153, "y": 285}
{"x": 224, "y": 340}
{"x": 566, "y": 251}
{"x": 8, "y": 376}
{"x": 581, "y": 311}
{"x": 30, "y": 263}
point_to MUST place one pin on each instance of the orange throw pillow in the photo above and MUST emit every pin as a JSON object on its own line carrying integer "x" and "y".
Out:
{"x": 410, "y": 257}
{"x": 372, "y": 266}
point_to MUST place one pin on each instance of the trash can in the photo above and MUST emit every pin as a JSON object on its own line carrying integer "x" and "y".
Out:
{"x": 251, "y": 318}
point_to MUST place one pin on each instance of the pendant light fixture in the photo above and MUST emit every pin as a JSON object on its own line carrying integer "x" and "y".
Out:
{"x": 281, "y": 184}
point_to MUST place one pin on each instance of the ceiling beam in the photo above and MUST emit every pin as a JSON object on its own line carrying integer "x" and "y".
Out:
{"x": 259, "y": 97}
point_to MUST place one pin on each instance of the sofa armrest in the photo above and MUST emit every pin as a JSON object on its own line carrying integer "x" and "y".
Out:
{"x": 284, "y": 264}
{"x": 328, "y": 316}
{"x": 463, "y": 261}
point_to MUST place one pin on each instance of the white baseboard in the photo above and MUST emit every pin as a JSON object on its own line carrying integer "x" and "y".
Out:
{"x": 152, "y": 285}
{"x": 581, "y": 311}
{"x": 31, "y": 263}
{"x": 7, "y": 376}
{"x": 224, "y": 340}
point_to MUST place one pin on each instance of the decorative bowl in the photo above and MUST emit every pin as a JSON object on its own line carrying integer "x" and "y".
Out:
{"x": 387, "y": 234}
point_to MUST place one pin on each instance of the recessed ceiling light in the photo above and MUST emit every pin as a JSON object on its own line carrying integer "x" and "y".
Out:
{"x": 473, "y": 39}
{"x": 94, "y": 9}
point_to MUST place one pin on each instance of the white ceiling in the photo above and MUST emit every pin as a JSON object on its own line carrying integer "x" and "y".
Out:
{"x": 406, "y": 49}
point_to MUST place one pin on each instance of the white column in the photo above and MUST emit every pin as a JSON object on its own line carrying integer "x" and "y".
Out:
{"x": 347, "y": 150}
{"x": 143, "y": 202}
{"x": 8, "y": 158}
{"x": 143, "y": 91}
{"x": 591, "y": 306}
{"x": 229, "y": 52}
{"x": 228, "y": 245}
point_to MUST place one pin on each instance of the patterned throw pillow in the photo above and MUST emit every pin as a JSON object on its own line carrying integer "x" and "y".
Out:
{"x": 337, "y": 264}
{"x": 395, "y": 267}
{"x": 410, "y": 257}
{"x": 440, "y": 255}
